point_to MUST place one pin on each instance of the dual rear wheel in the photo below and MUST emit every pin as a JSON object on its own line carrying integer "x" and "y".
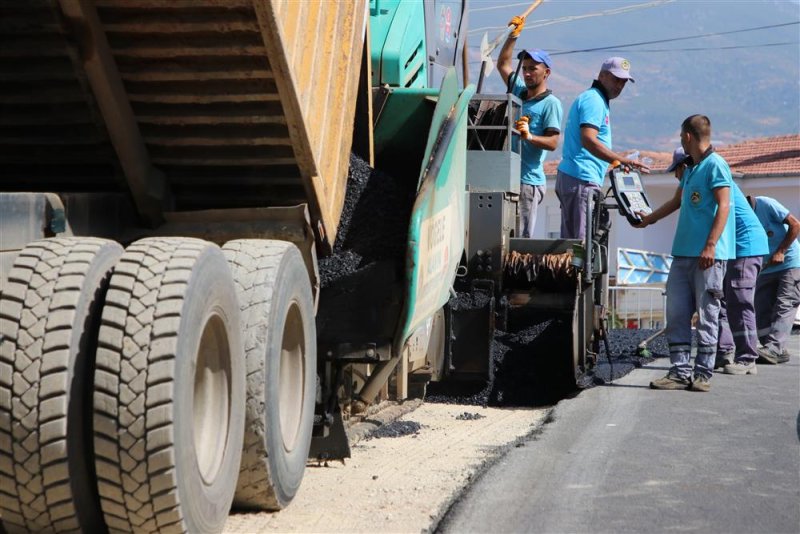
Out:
{"x": 127, "y": 378}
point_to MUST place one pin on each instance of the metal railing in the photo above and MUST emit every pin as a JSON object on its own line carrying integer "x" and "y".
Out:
{"x": 637, "y": 307}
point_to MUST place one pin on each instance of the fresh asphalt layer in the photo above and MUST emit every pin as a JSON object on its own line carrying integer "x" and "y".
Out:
{"x": 626, "y": 458}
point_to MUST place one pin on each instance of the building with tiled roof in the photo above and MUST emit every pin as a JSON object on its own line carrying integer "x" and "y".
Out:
{"x": 763, "y": 156}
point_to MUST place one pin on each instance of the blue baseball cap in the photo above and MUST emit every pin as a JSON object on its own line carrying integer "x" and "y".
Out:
{"x": 538, "y": 55}
{"x": 678, "y": 157}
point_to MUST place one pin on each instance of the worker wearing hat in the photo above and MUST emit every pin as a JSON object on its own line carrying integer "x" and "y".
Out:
{"x": 539, "y": 124}
{"x": 587, "y": 146}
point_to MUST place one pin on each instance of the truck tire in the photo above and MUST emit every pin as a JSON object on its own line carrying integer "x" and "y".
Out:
{"x": 49, "y": 316}
{"x": 169, "y": 389}
{"x": 280, "y": 342}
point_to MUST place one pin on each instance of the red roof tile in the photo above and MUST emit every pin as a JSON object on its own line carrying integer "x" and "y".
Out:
{"x": 763, "y": 156}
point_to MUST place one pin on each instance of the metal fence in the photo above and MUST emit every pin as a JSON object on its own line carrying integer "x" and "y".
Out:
{"x": 637, "y": 307}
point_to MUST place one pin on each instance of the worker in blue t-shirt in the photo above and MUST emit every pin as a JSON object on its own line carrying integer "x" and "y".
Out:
{"x": 778, "y": 285}
{"x": 705, "y": 240}
{"x": 539, "y": 123}
{"x": 737, "y": 343}
{"x": 587, "y": 146}
{"x": 737, "y": 347}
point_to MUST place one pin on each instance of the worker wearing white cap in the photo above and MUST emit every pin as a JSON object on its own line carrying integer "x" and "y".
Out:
{"x": 587, "y": 146}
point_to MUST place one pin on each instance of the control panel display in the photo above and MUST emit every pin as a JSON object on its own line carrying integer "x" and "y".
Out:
{"x": 629, "y": 194}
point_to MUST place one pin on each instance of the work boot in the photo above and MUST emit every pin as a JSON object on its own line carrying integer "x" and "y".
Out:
{"x": 768, "y": 356}
{"x": 670, "y": 381}
{"x": 700, "y": 383}
{"x": 741, "y": 368}
{"x": 784, "y": 356}
{"x": 723, "y": 359}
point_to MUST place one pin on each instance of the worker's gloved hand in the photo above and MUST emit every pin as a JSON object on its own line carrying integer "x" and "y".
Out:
{"x": 522, "y": 126}
{"x": 518, "y": 23}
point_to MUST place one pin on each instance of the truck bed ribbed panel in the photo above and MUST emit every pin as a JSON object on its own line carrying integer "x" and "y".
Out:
{"x": 239, "y": 103}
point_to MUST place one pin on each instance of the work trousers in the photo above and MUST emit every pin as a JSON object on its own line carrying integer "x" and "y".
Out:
{"x": 777, "y": 299}
{"x": 530, "y": 196}
{"x": 737, "y": 316}
{"x": 573, "y": 194}
{"x": 691, "y": 289}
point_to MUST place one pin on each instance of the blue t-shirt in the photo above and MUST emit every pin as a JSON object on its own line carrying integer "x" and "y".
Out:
{"x": 751, "y": 239}
{"x": 589, "y": 109}
{"x": 698, "y": 208}
{"x": 772, "y": 213}
{"x": 544, "y": 113}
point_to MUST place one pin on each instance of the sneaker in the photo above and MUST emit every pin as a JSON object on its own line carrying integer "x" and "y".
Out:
{"x": 784, "y": 356}
{"x": 741, "y": 368}
{"x": 723, "y": 359}
{"x": 766, "y": 355}
{"x": 700, "y": 383}
{"x": 670, "y": 382}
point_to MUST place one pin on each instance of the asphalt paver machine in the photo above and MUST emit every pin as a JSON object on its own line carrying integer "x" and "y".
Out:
{"x": 518, "y": 281}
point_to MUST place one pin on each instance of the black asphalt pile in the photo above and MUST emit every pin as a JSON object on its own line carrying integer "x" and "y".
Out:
{"x": 529, "y": 372}
{"x": 522, "y": 373}
{"x": 467, "y": 416}
{"x": 466, "y": 300}
{"x": 623, "y": 344}
{"x": 396, "y": 429}
{"x": 374, "y": 222}
{"x": 529, "y": 365}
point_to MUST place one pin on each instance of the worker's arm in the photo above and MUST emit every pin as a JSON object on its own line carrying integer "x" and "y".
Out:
{"x": 551, "y": 123}
{"x": 548, "y": 140}
{"x": 723, "y": 197}
{"x": 504, "y": 60}
{"x": 596, "y": 148}
{"x": 667, "y": 208}
{"x": 791, "y": 235}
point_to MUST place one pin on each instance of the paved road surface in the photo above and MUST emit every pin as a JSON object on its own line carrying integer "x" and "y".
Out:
{"x": 625, "y": 458}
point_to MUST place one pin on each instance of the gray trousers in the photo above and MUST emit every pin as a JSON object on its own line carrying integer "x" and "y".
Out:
{"x": 737, "y": 316}
{"x": 691, "y": 289}
{"x": 574, "y": 197}
{"x": 530, "y": 196}
{"x": 777, "y": 299}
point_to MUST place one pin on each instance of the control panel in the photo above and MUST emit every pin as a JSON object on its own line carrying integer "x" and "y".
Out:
{"x": 629, "y": 193}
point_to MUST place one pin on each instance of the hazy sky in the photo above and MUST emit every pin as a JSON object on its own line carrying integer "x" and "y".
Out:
{"x": 748, "y": 82}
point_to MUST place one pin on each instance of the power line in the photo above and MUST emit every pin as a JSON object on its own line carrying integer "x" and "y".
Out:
{"x": 699, "y": 48}
{"x": 501, "y": 6}
{"x": 570, "y": 18}
{"x": 673, "y": 39}
{"x": 691, "y": 49}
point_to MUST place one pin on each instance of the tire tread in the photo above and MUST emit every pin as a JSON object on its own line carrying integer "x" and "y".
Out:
{"x": 39, "y": 307}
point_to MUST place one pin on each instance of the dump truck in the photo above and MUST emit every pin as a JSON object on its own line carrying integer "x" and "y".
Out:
{"x": 173, "y": 173}
{"x": 177, "y": 176}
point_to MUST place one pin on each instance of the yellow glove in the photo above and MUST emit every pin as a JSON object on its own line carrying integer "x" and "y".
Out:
{"x": 522, "y": 126}
{"x": 519, "y": 23}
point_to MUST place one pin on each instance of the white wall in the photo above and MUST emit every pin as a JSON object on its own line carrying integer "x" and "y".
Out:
{"x": 660, "y": 188}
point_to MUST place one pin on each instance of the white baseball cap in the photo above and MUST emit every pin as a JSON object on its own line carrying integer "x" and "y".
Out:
{"x": 619, "y": 67}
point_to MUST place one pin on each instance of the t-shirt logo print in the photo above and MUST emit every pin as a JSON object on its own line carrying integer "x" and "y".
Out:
{"x": 695, "y": 198}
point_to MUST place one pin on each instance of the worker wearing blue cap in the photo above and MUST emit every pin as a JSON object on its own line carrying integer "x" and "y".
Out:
{"x": 539, "y": 124}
